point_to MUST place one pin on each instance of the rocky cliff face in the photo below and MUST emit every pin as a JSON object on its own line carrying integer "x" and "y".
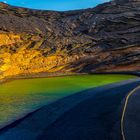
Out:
{"x": 105, "y": 38}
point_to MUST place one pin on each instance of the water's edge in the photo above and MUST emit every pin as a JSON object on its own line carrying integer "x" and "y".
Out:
{"x": 26, "y": 115}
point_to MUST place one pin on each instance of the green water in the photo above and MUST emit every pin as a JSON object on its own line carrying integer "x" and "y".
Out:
{"x": 21, "y": 96}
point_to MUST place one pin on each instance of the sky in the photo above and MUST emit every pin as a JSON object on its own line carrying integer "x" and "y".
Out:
{"x": 58, "y": 5}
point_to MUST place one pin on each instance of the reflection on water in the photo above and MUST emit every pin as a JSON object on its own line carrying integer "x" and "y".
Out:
{"x": 12, "y": 106}
{"x": 21, "y": 96}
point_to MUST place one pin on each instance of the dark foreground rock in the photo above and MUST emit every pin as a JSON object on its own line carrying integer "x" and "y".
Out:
{"x": 132, "y": 117}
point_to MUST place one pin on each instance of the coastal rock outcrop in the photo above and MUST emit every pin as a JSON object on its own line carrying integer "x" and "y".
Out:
{"x": 101, "y": 39}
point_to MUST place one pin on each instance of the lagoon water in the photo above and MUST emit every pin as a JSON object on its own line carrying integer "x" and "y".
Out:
{"x": 19, "y": 97}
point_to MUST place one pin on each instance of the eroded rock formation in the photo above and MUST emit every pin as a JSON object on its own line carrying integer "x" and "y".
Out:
{"x": 105, "y": 38}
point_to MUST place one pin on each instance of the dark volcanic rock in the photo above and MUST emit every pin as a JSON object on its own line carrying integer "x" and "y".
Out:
{"x": 104, "y": 38}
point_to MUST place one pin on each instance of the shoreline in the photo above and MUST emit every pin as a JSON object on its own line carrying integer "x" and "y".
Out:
{"x": 51, "y": 75}
{"x": 65, "y": 107}
{"x": 38, "y": 75}
{"x": 136, "y": 73}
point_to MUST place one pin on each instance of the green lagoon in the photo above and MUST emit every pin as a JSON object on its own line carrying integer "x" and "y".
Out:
{"x": 20, "y": 97}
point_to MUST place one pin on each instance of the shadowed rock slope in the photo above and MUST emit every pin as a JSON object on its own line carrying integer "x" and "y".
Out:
{"x": 101, "y": 39}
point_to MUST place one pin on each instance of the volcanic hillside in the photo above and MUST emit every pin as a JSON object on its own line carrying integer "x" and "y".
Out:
{"x": 102, "y": 39}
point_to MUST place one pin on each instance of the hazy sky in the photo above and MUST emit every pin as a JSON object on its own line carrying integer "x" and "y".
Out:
{"x": 59, "y": 5}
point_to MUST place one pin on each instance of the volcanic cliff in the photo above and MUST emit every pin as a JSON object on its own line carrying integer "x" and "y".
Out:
{"x": 101, "y": 39}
